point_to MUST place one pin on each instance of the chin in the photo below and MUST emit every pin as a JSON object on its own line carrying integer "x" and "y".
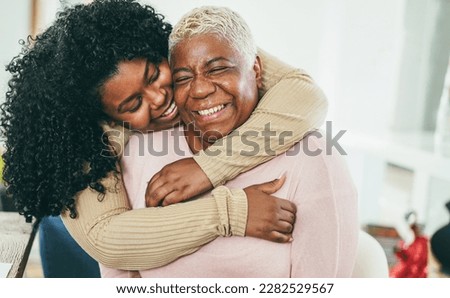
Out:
{"x": 212, "y": 135}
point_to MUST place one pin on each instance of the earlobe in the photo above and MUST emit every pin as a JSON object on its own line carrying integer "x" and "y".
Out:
{"x": 257, "y": 67}
{"x": 111, "y": 123}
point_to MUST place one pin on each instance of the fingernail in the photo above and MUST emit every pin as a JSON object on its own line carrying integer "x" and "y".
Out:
{"x": 291, "y": 239}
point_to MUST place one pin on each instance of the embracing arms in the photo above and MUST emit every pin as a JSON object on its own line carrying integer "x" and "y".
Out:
{"x": 131, "y": 239}
{"x": 291, "y": 106}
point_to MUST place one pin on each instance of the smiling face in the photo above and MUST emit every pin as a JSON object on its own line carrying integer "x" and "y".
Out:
{"x": 140, "y": 95}
{"x": 215, "y": 89}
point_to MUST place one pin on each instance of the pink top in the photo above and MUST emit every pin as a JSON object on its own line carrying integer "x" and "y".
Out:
{"x": 325, "y": 232}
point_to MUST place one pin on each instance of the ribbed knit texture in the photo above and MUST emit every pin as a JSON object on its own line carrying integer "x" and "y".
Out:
{"x": 325, "y": 233}
{"x": 237, "y": 210}
{"x": 119, "y": 237}
{"x": 152, "y": 237}
{"x": 293, "y": 104}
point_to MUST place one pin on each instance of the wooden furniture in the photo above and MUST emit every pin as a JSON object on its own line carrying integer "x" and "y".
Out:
{"x": 429, "y": 178}
{"x": 16, "y": 240}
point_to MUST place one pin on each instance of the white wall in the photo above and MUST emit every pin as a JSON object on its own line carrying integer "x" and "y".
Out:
{"x": 350, "y": 47}
{"x": 424, "y": 60}
{"x": 13, "y": 26}
{"x": 289, "y": 29}
{"x": 354, "y": 49}
{"x": 362, "y": 53}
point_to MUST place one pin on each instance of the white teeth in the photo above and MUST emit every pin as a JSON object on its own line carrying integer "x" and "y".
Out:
{"x": 211, "y": 110}
{"x": 169, "y": 109}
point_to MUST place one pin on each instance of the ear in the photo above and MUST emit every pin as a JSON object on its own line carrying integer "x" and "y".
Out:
{"x": 115, "y": 124}
{"x": 257, "y": 67}
{"x": 111, "y": 123}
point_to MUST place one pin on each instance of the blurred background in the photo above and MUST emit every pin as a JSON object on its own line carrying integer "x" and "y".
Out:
{"x": 383, "y": 65}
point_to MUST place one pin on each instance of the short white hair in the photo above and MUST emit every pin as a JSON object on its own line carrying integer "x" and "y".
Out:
{"x": 221, "y": 21}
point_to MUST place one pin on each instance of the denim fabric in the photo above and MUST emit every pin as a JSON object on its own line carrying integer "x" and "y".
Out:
{"x": 61, "y": 256}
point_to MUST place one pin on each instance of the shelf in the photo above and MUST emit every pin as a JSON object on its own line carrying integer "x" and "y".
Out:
{"x": 428, "y": 190}
{"x": 413, "y": 151}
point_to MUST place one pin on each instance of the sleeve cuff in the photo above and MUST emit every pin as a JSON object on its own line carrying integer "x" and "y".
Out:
{"x": 238, "y": 211}
{"x": 232, "y": 206}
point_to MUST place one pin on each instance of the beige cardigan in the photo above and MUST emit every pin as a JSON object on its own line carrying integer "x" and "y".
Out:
{"x": 109, "y": 229}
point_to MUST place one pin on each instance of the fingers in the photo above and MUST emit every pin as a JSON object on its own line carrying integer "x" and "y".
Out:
{"x": 173, "y": 198}
{"x": 176, "y": 182}
{"x": 284, "y": 226}
{"x": 288, "y": 206}
{"x": 272, "y": 186}
{"x": 165, "y": 195}
{"x": 156, "y": 182}
{"x": 279, "y": 237}
{"x": 155, "y": 196}
{"x": 287, "y": 217}
{"x": 157, "y": 189}
{"x": 154, "y": 178}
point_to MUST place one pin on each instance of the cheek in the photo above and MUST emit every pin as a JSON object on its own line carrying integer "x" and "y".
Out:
{"x": 137, "y": 120}
{"x": 180, "y": 95}
{"x": 109, "y": 108}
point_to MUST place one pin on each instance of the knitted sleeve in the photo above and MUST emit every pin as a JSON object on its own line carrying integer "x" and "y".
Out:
{"x": 122, "y": 238}
{"x": 118, "y": 237}
{"x": 291, "y": 106}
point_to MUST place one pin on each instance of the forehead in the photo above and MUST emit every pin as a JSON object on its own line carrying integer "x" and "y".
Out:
{"x": 128, "y": 72}
{"x": 128, "y": 78}
{"x": 200, "y": 49}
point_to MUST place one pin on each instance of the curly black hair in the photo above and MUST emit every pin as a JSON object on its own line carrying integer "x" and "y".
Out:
{"x": 52, "y": 117}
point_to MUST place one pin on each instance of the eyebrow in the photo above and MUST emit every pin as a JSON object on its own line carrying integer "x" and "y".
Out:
{"x": 208, "y": 63}
{"x": 132, "y": 96}
{"x": 217, "y": 59}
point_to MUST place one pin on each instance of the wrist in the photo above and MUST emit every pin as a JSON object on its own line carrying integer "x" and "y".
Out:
{"x": 238, "y": 212}
{"x": 232, "y": 209}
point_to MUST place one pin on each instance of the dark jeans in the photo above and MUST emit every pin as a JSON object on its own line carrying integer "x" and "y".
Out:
{"x": 61, "y": 256}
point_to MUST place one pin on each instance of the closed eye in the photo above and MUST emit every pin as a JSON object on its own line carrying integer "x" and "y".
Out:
{"x": 154, "y": 76}
{"x": 182, "y": 80}
{"x": 217, "y": 70}
{"x": 136, "y": 104}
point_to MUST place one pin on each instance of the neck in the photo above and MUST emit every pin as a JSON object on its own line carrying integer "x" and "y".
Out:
{"x": 195, "y": 140}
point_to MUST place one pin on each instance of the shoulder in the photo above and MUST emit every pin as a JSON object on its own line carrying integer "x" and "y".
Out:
{"x": 275, "y": 69}
{"x": 167, "y": 143}
{"x": 318, "y": 157}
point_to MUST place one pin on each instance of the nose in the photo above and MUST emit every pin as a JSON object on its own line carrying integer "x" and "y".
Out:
{"x": 157, "y": 98}
{"x": 201, "y": 87}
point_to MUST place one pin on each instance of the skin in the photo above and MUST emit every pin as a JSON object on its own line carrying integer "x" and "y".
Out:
{"x": 209, "y": 73}
{"x": 170, "y": 185}
{"x": 139, "y": 95}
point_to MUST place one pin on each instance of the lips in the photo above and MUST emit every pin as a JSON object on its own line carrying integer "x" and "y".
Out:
{"x": 169, "y": 110}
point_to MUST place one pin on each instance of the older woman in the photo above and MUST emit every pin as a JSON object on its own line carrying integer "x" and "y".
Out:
{"x": 60, "y": 161}
{"x": 217, "y": 75}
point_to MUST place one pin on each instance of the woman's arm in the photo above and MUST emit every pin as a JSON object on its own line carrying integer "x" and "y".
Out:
{"x": 291, "y": 106}
{"x": 147, "y": 238}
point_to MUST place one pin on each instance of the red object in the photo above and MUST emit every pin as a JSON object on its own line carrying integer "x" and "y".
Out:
{"x": 413, "y": 258}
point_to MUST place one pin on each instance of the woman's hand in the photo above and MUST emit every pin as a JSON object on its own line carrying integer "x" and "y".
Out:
{"x": 269, "y": 217}
{"x": 176, "y": 182}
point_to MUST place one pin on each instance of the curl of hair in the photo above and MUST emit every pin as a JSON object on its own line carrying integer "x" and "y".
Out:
{"x": 52, "y": 117}
{"x": 221, "y": 21}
